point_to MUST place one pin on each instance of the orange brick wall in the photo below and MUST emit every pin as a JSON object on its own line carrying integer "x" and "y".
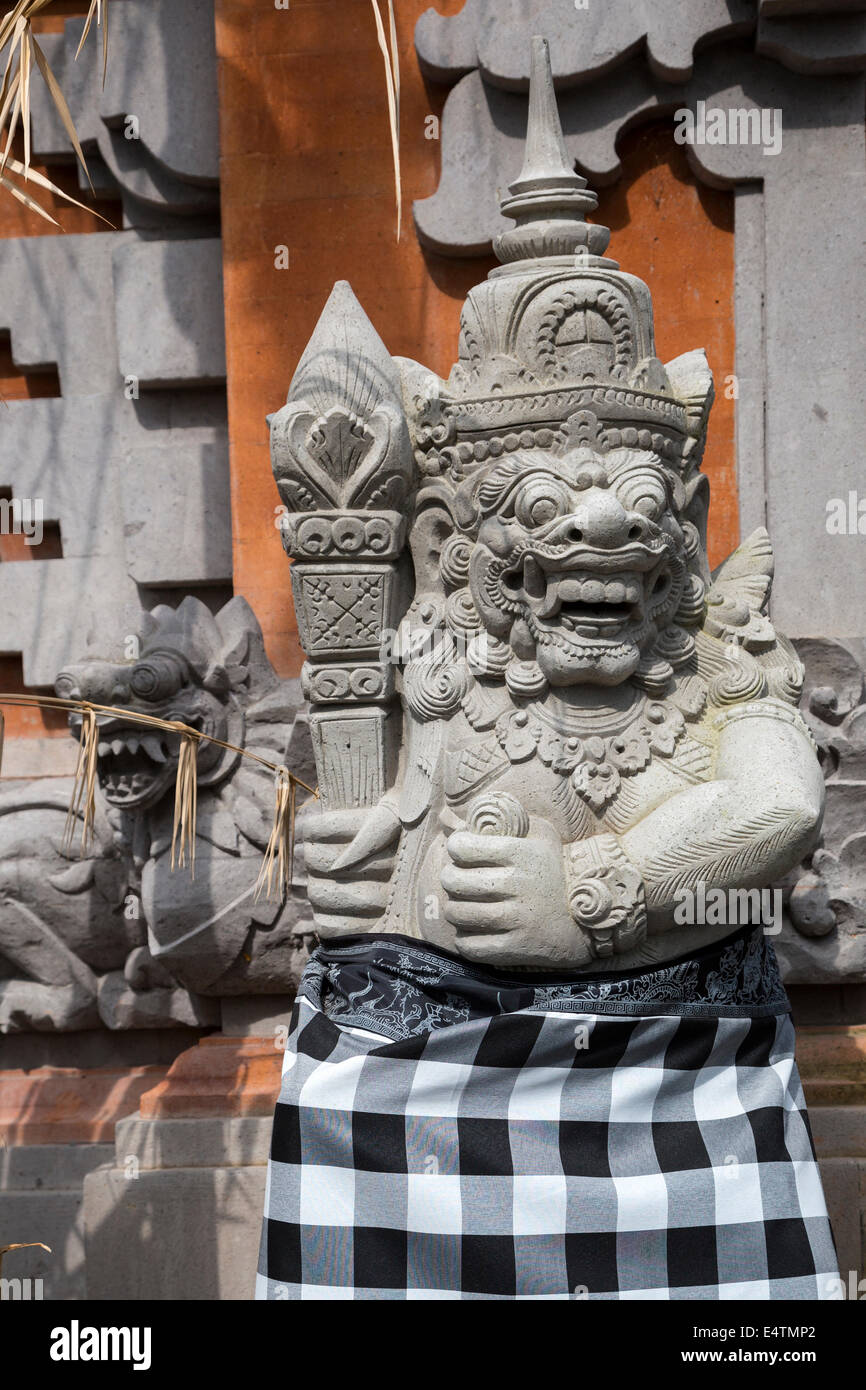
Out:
{"x": 678, "y": 236}
{"x": 306, "y": 163}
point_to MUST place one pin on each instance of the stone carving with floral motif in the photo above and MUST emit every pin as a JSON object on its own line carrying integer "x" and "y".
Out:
{"x": 115, "y": 937}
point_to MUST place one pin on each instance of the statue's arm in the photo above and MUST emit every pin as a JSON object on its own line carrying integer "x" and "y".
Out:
{"x": 747, "y": 827}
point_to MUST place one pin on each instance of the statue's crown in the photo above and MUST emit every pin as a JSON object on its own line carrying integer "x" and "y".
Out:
{"x": 556, "y": 346}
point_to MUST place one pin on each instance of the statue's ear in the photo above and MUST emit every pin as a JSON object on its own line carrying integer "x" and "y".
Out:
{"x": 432, "y": 527}
{"x": 697, "y": 505}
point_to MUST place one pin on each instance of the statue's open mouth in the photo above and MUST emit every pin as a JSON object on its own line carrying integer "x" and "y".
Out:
{"x": 135, "y": 764}
{"x": 594, "y": 594}
{"x": 579, "y": 602}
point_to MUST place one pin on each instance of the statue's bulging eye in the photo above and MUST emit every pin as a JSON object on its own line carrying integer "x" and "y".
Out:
{"x": 643, "y": 492}
{"x": 540, "y": 501}
{"x": 155, "y": 678}
{"x": 545, "y": 509}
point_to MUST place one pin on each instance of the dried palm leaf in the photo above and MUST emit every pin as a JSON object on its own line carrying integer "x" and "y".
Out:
{"x": 23, "y": 1245}
{"x": 60, "y": 105}
{"x": 395, "y": 61}
{"x": 392, "y": 85}
{"x": 280, "y": 853}
{"x": 99, "y": 8}
{"x": 33, "y": 176}
{"x": 24, "y": 70}
{"x": 14, "y": 99}
{"x": 24, "y": 53}
{"x": 29, "y": 203}
{"x": 185, "y": 798}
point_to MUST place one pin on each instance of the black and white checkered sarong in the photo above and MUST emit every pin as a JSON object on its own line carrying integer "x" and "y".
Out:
{"x": 445, "y": 1131}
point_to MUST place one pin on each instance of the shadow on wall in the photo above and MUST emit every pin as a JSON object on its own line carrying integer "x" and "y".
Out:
{"x": 677, "y": 234}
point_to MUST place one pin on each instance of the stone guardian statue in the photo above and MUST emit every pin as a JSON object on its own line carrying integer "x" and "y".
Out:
{"x": 544, "y": 732}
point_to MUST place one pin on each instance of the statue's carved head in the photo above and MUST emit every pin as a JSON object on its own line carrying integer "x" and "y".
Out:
{"x": 578, "y": 562}
{"x": 192, "y": 668}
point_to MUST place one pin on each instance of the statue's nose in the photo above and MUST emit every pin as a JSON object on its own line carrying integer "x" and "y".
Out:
{"x": 601, "y": 521}
{"x": 99, "y": 681}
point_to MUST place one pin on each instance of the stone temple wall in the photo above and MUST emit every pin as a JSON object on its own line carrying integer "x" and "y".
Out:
{"x": 136, "y": 1147}
{"x": 115, "y": 418}
{"x": 130, "y": 458}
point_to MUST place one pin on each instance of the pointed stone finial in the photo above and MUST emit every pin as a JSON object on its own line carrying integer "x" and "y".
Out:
{"x": 545, "y": 161}
{"x": 548, "y": 200}
{"x": 341, "y": 440}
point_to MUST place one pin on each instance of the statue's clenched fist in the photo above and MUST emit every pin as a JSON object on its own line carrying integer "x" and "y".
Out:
{"x": 506, "y": 897}
{"x": 349, "y": 899}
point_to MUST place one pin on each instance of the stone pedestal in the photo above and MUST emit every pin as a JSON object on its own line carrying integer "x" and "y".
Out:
{"x": 42, "y": 1199}
{"x": 176, "y": 1213}
{"x": 56, "y": 1126}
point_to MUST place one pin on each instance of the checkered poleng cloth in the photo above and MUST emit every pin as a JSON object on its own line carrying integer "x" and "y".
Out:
{"x": 446, "y": 1132}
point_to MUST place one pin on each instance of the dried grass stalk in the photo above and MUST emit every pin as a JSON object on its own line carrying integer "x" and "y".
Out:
{"x": 279, "y": 857}
{"x": 24, "y": 53}
{"x": 83, "y": 801}
{"x": 392, "y": 84}
{"x": 185, "y": 801}
{"x": 23, "y": 1245}
{"x": 282, "y": 842}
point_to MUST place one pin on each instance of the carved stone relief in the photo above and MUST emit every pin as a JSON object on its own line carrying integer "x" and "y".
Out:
{"x": 116, "y": 937}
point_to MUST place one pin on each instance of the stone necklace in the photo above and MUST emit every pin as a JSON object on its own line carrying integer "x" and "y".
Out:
{"x": 595, "y": 764}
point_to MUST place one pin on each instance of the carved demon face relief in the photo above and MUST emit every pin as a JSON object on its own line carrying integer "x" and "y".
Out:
{"x": 178, "y": 677}
{"x": 137, "y": 765}
{"x": 579, "y": 561}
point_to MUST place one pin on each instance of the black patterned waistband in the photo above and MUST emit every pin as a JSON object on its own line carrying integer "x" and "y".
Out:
{"x": 399, "y": 987}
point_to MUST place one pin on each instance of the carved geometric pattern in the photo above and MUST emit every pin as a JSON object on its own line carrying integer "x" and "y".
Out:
{"x": 343, "y": 611}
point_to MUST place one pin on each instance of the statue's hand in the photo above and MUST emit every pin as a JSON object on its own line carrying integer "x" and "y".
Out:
{"x": 350, "y": 899}
{"x": 507, "y": 898}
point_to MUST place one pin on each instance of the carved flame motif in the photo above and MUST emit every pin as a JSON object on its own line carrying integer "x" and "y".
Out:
{"x": 338, "y": 443}
{"x": 337, "y": 454}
